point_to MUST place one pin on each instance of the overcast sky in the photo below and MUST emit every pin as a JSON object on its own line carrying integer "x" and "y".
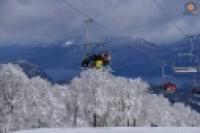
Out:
{"x": 48, "y": 21}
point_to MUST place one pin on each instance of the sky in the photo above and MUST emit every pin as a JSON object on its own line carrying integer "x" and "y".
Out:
{"x": 48, "y": 21}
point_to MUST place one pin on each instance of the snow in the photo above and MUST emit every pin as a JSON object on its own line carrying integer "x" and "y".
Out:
{"x": 116, "y": 130}
{"x": 94, "y": 98}
{"x": 68, "y": 43}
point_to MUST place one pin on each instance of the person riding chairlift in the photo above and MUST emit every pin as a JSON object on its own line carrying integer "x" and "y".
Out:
{"x": 96, "y": 61}
{"x": 106, "y": 58}
{"x": 86, "y": 61}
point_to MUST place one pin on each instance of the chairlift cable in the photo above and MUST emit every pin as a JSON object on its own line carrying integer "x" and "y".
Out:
{"x": 76, "y": 9}
{"x": 87, "y": 17}
{"x": 168, "y": 17}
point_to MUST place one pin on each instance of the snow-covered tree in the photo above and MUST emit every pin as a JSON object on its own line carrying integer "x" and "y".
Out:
{"x": 120, "y": 101}
{"x": 30, "y": 103}
{"x": 95, "y": 98}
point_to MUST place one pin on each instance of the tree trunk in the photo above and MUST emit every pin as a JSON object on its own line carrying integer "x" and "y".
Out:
{"x": 128, "y": 123}
{"x": 75, "y": 113}
{"x": 94, "y": 120}
{"x": 134, "y": 122}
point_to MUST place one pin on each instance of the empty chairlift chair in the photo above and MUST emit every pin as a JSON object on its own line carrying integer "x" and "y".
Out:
{"x": 186, "y": 62}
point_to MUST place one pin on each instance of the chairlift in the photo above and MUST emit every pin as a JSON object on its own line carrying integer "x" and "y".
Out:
{"x": 185, "y": 65}
{"x": 93, "y": 57}
{"x": 167, "y": 82}
{"x": 186, "y": 62}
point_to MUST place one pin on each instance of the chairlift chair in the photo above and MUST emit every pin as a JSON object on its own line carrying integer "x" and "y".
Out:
{"x": 167, "y": 84}
{"x": 185, "y": 62}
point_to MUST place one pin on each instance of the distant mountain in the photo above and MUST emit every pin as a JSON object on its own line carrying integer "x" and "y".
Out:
{"x": 130, "y": 57}
{"x": 184, "y": 45}
{"x": 32, "y": 70}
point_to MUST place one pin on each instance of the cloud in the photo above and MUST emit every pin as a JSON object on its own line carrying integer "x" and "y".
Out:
{"x": 48, "y": 21}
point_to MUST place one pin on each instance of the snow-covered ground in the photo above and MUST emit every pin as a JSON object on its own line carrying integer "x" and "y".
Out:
{"x": 116, "y": 130}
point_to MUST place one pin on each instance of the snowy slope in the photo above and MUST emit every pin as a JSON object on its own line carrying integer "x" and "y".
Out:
{"x": 116, "y": 130}
{"x": 95, "y": 98}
